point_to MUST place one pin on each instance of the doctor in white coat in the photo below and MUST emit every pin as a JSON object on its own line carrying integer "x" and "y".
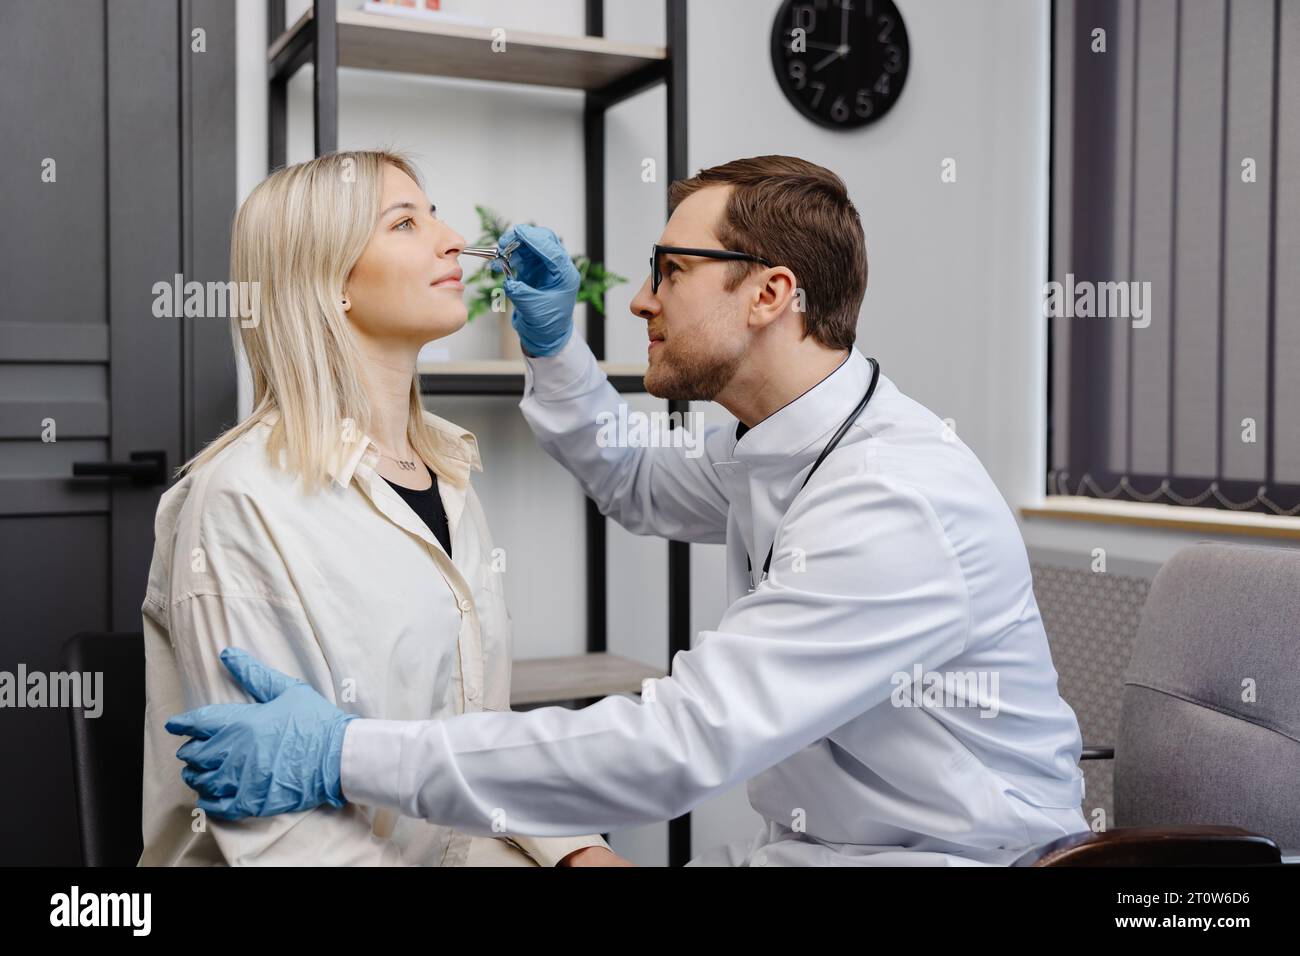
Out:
{"x": 881, "y": 679}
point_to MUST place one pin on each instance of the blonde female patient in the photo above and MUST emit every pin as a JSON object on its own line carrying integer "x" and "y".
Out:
{"x": 335, "y": 532}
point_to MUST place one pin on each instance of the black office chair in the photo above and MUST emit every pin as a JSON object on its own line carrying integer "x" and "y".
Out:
{"x": 108, "y": 750}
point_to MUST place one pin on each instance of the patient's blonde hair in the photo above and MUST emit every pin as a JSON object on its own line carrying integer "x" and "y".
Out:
{"x": 298, "y": 235}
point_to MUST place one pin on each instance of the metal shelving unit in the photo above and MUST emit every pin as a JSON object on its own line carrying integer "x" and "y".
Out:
{"x": 608, "y": 73}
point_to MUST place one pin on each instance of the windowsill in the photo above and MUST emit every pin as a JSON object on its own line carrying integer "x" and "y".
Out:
{"x": 1169, "y": 517}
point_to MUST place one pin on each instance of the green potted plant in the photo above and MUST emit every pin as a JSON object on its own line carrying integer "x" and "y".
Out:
{"x": 486, "y": 287}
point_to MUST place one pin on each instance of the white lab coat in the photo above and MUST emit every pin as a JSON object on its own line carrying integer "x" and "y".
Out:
{"x": 899, "y": 561}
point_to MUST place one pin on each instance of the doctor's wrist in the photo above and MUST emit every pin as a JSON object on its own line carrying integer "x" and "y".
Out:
{"x": 333, "y": 772}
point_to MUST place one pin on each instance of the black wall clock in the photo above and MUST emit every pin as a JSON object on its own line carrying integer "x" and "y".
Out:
{"x": 847, "y": 67}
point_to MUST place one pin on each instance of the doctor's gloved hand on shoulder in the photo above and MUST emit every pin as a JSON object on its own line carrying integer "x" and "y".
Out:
{"x": 281, "y": 754}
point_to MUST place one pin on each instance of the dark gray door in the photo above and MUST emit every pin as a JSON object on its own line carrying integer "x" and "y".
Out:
{"x": 117, "y": 171}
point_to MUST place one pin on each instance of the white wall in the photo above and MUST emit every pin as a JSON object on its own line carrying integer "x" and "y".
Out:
{"x": 956, "y": 269}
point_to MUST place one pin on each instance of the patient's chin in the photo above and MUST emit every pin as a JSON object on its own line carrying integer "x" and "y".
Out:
{"x": 445, "y": 322}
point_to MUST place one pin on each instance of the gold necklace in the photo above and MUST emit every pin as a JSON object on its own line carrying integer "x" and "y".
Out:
{"x": 406, "y": 464}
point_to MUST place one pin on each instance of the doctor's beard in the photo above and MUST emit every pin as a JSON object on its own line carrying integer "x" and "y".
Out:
{"x": 687, "y": 370}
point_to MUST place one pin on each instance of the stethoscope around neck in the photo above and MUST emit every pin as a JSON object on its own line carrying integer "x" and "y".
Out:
{"x": 830, "y": 446}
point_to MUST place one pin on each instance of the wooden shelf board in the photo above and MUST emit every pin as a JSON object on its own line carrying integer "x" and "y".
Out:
{"x": 370, "y": 41}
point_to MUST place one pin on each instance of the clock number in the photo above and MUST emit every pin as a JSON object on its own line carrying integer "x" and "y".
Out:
{"x": 886, "y": 30}
{"x": 804, "y": 16}
{"x": 839, "y": 110}
{"x": 893, "y": 58}
{"x": 882, "y": 84}
{"x": 865, "y": 106}
{"x": 821, "y": 88}
{"x": 799, "y": 73}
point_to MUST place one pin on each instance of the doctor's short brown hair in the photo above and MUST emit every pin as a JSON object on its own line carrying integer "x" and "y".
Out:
{"x": 796, "y": 214}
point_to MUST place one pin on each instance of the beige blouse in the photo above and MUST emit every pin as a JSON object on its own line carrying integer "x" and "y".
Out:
{"x": 349, "y": 590}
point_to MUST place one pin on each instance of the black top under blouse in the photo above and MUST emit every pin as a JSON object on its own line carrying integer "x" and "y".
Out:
{"x": 428, "y": 505}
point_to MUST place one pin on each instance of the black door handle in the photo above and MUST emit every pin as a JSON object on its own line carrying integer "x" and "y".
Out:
{"x": 144, "y": 468}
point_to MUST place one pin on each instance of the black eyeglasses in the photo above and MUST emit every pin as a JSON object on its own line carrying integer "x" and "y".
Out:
{"x": 656, "y": 276}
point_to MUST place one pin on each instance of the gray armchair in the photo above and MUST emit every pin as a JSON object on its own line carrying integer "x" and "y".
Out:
{"x": 1207, "y": 759}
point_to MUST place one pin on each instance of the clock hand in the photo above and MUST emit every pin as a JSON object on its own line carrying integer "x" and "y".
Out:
{"x": 834, "y": 56}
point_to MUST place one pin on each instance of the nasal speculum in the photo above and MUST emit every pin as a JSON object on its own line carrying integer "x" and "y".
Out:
{"x": 491, "y": 253}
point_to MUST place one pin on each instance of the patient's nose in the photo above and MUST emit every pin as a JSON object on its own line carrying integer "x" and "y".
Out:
{"x": 450, "y": 243}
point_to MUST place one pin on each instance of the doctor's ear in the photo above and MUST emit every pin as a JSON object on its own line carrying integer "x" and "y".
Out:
{"x": 778, "y": 290}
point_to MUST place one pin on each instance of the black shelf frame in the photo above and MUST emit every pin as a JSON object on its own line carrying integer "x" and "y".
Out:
{"x": 317, "y": 44}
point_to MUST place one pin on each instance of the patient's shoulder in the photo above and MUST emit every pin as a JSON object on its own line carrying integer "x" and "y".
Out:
{"x": 243, "y": 475}
{"x": 216, "y": 529}
{"x": 230, "y": 469}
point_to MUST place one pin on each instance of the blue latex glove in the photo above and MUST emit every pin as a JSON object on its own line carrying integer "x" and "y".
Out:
{"x": 544, "y": 288}
{"x": 280, "y": 755}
